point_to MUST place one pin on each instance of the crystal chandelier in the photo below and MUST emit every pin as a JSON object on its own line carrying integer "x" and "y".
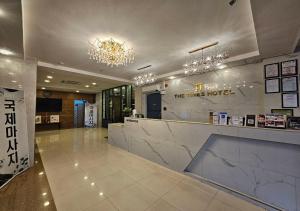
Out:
{"x": 145, "y": 78}
{"x": 110, "y": 52}
{"x": 206, "y": 62}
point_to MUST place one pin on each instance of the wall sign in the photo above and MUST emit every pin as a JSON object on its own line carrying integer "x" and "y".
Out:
{"x": 200, "y": 91}
{"x": 14, "y": 152}
{"x": 90, "y": 115}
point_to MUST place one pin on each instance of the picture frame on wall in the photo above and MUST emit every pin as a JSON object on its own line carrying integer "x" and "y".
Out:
{"x": 272, "y": 86}
{"x": 289, "y": 84}
{"x": 289, "y": 68}
{"x": 287, "y": 112}
{"x": 271, "y": 70}
{"x": 290, "y": 100}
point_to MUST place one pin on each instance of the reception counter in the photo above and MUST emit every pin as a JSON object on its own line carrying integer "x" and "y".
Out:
{"x": 263, "y": 164}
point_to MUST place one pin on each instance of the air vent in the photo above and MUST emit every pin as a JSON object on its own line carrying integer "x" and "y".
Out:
{"x": 70, "y": 82}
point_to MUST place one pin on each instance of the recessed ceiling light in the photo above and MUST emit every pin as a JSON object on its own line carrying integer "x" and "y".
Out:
{"x": 77, "y": 91}
{"x": 14, "y": 81}
{"x": 43, "y": 88}
{"x": 87, "y": 86}
{"x": 47, "y": 81}
{"x": 172, "y": 77}
{"x": 6, "y": 52}
{"x": 11, "y": 73}
{"x": 94, "y": 83}
{"x": 46, "y": 203}
{"x": 49, "y": 76}
{"x": 2, "y": 13}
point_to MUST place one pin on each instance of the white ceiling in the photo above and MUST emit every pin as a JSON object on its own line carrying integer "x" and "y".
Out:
{"x": 11, "y": 31}
{"x": 71, "y": 82}
{"x": 161, "y": 32}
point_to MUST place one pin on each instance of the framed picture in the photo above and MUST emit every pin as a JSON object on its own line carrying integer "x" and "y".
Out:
{"x": 54, "y": 118}
{"x": 289, "y": 68}
{"x": 272, "y": 86}
{"x": 289, "y": 84}
{"x": 287, "y": 112}
{"x": 272, "y": 70}
{"x": 290, "y": 100}
{"x": 38, "y": 119}
{"x": 250, "y": 120}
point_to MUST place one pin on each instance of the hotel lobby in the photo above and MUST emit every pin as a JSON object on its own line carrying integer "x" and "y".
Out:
{"x": 149, "y": 105}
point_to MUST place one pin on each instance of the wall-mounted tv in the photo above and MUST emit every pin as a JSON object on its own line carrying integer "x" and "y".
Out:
{"x": 48, "y": 105}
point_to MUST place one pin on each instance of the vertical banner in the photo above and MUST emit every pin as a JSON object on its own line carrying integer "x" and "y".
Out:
{"x": 90, "y": 115}
{"x": 14, "y": 152}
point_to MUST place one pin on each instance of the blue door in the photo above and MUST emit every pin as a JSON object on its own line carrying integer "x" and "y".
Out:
{"x": 154, "y": 106}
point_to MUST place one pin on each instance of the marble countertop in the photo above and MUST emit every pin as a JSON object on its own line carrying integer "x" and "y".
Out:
{"x": 202, "y": 123}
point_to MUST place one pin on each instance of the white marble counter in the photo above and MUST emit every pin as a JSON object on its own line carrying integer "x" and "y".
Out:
{"x": 260, "y": 162}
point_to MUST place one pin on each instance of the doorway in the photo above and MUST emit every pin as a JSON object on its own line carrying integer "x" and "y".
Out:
{"x": 79, "y": 106}
{"x": 154, "y": 105}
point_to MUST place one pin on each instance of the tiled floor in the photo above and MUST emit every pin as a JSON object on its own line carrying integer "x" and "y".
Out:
{"x": 28, "y": 191}
{"x": 85, "y": 174}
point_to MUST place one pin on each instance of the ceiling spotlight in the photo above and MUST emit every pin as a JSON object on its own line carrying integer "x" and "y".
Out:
{"x": 49, "y": 76}
{"x": 87, "y": 86}
{"x": 94, "y": 83}
{"x": 47, "y": 81}
{"x": 46, "y": 203}
{"x": 2, "y": 13}
{"x": 77, "y": 91}
{"x": 14, "y": 81}
{"x": 43, "y": 88}
{"x": 6, "y": 52}
{"x": 172, "y": 77}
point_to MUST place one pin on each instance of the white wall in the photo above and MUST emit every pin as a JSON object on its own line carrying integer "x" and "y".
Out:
{"x": 248, "y": 99}
{"x": 24, "y": 72}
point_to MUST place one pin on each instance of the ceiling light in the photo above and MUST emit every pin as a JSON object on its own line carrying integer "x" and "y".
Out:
{"x": 6, "y": 52}
{"x": 47, "y": 81}
{"x": 44, "y": 194}
{"x": 85, "y": 177}
{"x": 49, "y": 76}
{"x": 2, "y": 13}
{"x": 76, "y": 164}
{"x": 46, "y": 203}
{"x": 205, "y": 62}
{"x": 41, "y": 173}
{"x": 94, "y": 83}
{"x": 110, "y": 52}
{"x": 172, "y": 77}
{"x": 8, "y": 60}
{"x": 144, "y": 78}
{"x": 77, "y": 91}
{"x": 11, "y": 73}
{"x": 87, "y": 86}
{"x": 92, "y": 184}
{"x": 43, "y": 88}
{"x": 14, "y": 81}
{"x": 101, "y": 194}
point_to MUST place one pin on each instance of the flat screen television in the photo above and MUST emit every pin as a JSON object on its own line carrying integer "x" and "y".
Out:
{"x": 48, "y": 105}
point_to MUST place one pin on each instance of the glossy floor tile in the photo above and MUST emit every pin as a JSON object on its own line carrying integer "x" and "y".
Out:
{"x": 28, "y": 191}
{"x": 85, "y": 173}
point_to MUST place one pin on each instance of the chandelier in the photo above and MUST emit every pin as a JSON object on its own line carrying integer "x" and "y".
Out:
{"x": 110, "y": 52}
{"x": 145, "y": 78}
{"x": 206, "y": 62}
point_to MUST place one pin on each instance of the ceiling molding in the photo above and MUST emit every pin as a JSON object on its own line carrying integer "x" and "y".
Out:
{"x": 83, "y": 72}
